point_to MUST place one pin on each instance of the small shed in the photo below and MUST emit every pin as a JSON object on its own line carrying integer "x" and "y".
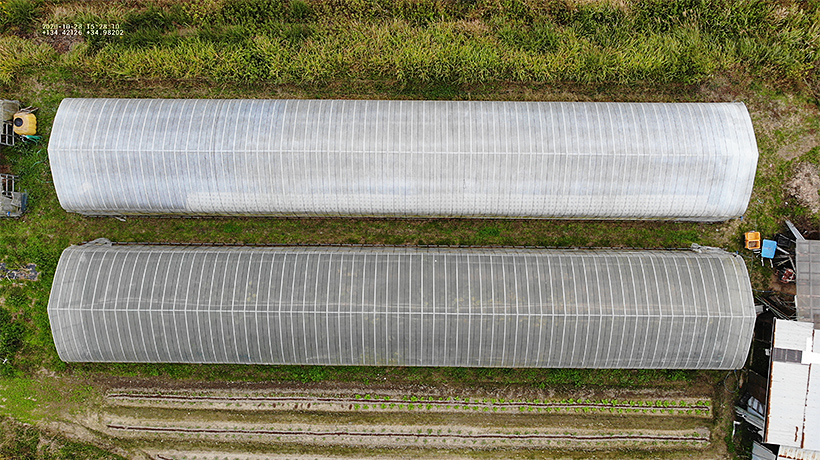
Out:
{"x": 793, "y": 413}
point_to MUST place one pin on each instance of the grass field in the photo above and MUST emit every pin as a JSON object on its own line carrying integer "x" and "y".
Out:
{"x": 763, "y": 53}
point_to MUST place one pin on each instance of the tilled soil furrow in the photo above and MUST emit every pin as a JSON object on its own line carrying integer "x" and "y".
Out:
{"x": 548, "y": 436}
{"x": 339, "y": 403}
{"x": 394, "y": 433}
{"x": 211, "y": 416}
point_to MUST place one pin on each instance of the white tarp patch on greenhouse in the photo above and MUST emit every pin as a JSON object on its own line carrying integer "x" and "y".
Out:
{"x": 402, "y": 306}
{"x": 687, "y": 161}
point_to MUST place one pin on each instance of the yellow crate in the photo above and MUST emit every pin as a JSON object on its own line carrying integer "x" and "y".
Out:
{"x": 753, "y": 240}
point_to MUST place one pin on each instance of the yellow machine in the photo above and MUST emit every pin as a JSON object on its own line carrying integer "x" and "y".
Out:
{"x": 25, "y": 124}
{"x": 753, "y": 241}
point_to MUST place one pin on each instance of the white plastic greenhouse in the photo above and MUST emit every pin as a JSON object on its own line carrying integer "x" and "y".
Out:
{"x": 688, "y": 161}
{"x": 402, "y": 306}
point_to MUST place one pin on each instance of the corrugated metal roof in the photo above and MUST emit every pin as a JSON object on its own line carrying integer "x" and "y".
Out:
{"x": 787, "y": 403}
{"x": 691, "y": 161}
{"x": 761, "y": 453}
{"x": 811, "y": 428}
{"x": 791, "y": 453}
{"x": 793, "y": 417}
{"x": 807, "y": 299}
{"x": 403, "y": 306}
{"x": 791, "y": 335}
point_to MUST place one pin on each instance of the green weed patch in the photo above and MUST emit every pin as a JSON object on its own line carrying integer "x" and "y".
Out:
{"x": 412, "y": 42}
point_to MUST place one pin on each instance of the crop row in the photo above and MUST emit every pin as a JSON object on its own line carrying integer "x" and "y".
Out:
{"x": 382, "y": 400}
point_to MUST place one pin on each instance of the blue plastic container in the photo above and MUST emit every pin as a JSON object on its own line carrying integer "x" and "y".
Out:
{"x": 769, "y": 247}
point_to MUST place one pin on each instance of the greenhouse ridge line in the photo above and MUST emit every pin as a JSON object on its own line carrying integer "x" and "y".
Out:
{"x": 399, "y": 152}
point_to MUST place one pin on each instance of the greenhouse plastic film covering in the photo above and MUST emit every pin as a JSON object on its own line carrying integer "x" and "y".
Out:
{"x": 686, "y": 161}
{"x": 402, "y": 306}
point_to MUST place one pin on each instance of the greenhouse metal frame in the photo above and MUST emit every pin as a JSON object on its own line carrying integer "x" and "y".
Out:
{"x": 682, "y": 161}
{"x": 402, "y": 306}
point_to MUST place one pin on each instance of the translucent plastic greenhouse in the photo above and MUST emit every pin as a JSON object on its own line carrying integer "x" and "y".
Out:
{"x": 402, "y": 306}
{"x": 403, "y": 158}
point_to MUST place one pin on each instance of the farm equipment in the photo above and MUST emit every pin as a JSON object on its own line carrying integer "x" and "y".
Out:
{"x": 781, "y": 253}
{"x": 12, "y": 202}
{"x": 25, "y": 123}
{"x": 17, "y": 124}
{"x": 778, "y": 251}
{"x": 7, "y": 111}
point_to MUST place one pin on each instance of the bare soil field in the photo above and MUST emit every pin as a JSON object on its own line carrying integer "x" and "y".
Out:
{"x": 350, "y": 421}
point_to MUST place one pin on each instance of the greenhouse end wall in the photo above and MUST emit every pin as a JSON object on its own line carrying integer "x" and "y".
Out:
{"x": 402, "y": 307}
{"x": 683, "y": 161}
